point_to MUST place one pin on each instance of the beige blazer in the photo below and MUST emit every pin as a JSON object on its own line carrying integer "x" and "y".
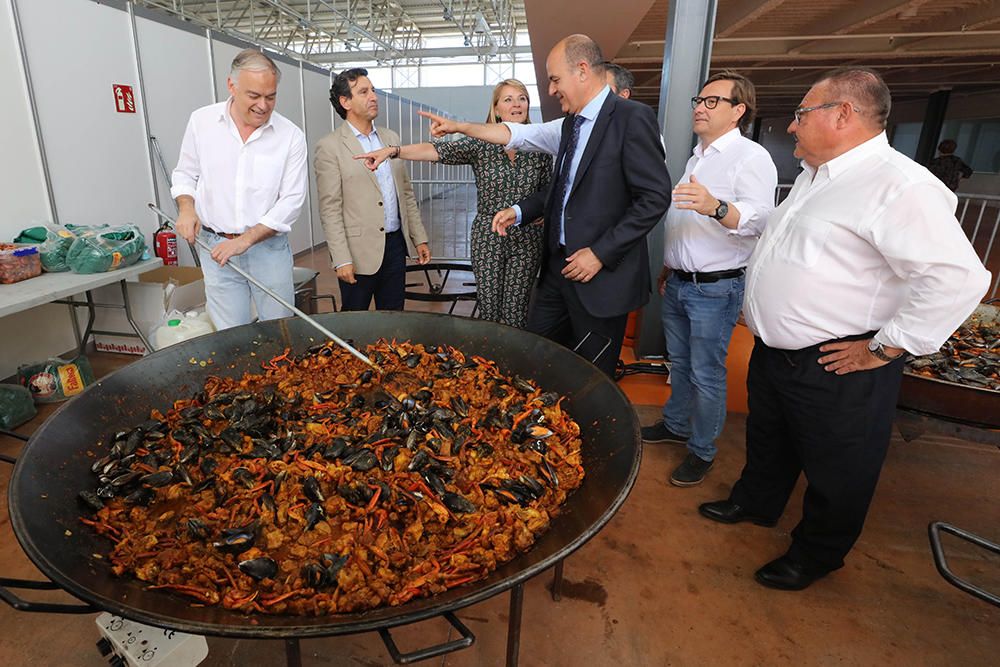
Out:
{"x": 350, "y": 202}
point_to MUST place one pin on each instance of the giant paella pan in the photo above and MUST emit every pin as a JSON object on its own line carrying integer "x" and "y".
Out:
{"x": 55, "y": 465}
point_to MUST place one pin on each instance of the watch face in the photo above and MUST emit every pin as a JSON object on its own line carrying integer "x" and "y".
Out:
{"x": 873, "y": 345}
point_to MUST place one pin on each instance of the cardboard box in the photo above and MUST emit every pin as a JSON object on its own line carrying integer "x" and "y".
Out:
{"x": 155, "y": 294}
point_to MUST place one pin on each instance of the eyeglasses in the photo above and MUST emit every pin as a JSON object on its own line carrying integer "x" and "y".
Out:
{"x": 712, "y": 101}
{"x": 801, "y": 111}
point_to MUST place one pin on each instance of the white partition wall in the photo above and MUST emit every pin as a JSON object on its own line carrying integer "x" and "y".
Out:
{"x": 319, "y": 123}
{"x": 174, "y": 86}
{"x": 25, "y": 204}
{"x": 98, "y": 160}
{"x": 22, "y": 183}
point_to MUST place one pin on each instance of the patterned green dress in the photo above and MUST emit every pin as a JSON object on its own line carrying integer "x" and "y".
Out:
{"x": 505, "y": 266}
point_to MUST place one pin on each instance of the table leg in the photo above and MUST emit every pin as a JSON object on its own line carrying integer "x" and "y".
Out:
{"x": 131, "y": 321}
{"x": 91, "y": 314}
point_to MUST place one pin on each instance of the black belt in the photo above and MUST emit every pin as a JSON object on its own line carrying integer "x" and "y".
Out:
{"x": 708, "y": 276}
{"x": 225, "y": 235}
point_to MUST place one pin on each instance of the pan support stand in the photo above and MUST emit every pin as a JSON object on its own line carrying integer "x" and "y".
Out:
{"x": 293, "y": 652}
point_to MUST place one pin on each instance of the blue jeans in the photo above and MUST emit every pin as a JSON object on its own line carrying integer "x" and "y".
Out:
{"x": 698, "y": 321}
{"x": 228, "y": 294}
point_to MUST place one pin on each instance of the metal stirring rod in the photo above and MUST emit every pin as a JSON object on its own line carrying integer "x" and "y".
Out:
{"x": 319, "y": 327}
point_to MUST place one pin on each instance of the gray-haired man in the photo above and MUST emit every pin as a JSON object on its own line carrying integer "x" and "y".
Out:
{"x": 240, "y": 183}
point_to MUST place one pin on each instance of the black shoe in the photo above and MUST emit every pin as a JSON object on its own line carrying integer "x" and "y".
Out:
{"x": 726, "y": 511}
{"x": 691, "y": 471}
{"x": 788, "y": 575}
{"x": 658, "y": 433}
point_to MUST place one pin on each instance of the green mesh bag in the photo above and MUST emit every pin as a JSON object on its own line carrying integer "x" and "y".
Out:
{"x": 16, "y": 406}
{"x": 97, "y": 251}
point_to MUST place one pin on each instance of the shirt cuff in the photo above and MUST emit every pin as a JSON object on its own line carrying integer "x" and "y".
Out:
{"x": 180, "y": 189}
{"x": 892, "y": 336}
{"x": 342, "y": 265}
{"x": 747, "y": 214}
{"x": 279, "y": 227}
{"x": 515, "y": 140}
{"x": 517, "y": 214}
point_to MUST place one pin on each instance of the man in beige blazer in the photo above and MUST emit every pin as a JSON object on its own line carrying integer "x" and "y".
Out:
{"x": 371, "y": 219}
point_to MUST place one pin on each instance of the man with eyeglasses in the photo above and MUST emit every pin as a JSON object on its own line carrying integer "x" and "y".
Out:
{"x": 863, "y": 262}
{"x": 720, "y": 207}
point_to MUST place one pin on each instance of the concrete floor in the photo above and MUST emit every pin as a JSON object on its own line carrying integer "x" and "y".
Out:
{"x": 662, "y": 586}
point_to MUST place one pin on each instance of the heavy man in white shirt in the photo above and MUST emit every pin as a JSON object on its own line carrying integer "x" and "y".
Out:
{"x": 371, "y": 218}
{"x": 240, "y": 183}
{"x": 720, "y": 207}
{"x": 863, "y": 262}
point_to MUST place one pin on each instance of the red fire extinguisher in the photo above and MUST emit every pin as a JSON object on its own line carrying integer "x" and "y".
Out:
{"x": 165, "y": 244}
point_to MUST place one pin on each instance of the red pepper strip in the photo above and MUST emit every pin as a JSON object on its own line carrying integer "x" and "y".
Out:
{"x": 281, "y": 357}
{"x": 374, "y": 500}
{"x": 521, "y": 417}
{"x": 285, "y": 596}
{"x": 459, "y": 582}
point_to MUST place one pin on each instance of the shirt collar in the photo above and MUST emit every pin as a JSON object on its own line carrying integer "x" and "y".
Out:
{"x": 361, "y": 135}
{"x": 226, "y": 117}
{"x": 593, "y": 107}
{"x": 845, "y": 161}
{"x": 720, "y": 144}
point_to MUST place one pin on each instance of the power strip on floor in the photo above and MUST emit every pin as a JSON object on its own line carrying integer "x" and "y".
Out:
{"x": 124, "y": 642}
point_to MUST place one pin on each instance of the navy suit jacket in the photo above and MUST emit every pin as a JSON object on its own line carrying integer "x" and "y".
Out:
{"x": 620, "y": 192}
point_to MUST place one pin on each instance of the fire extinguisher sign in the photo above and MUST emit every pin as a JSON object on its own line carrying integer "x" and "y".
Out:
{"x": 124, "y": 99}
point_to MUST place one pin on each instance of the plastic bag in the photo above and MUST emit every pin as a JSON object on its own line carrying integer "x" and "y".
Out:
{"x": 96, "y": 251}
{"x": 16, "y": 406}
{"x": 56, "y": 379}
{"x": 177, "y": 326}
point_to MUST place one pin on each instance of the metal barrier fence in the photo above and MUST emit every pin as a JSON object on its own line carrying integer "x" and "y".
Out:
{"x": 980, "y": 219}
{"x": 446, "y": 194}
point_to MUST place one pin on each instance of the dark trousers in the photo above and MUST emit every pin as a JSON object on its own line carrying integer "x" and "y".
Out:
{"x": 387, "y": 285}
{"x": 558, "y": 314}
{"x": 833, "y": 428}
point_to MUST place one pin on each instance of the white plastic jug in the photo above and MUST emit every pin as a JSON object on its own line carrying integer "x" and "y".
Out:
{"x": 191, "y": 325}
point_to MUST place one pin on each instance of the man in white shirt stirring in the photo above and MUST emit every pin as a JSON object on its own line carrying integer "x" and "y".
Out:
{"x": 720, "y": 207}
{"x": 863, "y": 262}
{"x": 240, "y": 183}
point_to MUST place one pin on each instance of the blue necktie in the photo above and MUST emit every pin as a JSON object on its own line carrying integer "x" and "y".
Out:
{"x": 563, "y": 184}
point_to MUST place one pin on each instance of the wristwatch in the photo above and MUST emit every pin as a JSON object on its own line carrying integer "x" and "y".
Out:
{"x": 878, "y": 351}
{"x": 720, "y": 212}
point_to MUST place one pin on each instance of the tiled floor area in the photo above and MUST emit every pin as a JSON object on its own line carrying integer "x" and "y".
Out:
{"x": 662, "y": 586}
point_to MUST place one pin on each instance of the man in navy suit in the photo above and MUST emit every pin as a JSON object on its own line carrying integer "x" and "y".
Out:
{"x": 609, "y": 190}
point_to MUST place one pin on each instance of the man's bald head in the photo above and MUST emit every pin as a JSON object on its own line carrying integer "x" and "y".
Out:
{"x": 576, "y": 72}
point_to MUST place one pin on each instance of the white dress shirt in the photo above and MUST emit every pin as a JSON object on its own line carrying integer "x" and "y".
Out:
{"x": 867, "y": 242}
{"x": 541, "y": 137}
{"x": 738, "y": 171}
{"x": 237, "y": 184}
{"x": 384, "y": 177}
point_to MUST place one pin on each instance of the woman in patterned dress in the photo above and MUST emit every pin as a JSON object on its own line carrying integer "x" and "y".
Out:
{"x": 504, "y": 266}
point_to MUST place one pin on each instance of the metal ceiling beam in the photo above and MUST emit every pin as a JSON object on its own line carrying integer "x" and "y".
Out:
{"x": 443, "y": 52}
{"x": 860, "y": 15}
{"x": 734, "y": 16}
